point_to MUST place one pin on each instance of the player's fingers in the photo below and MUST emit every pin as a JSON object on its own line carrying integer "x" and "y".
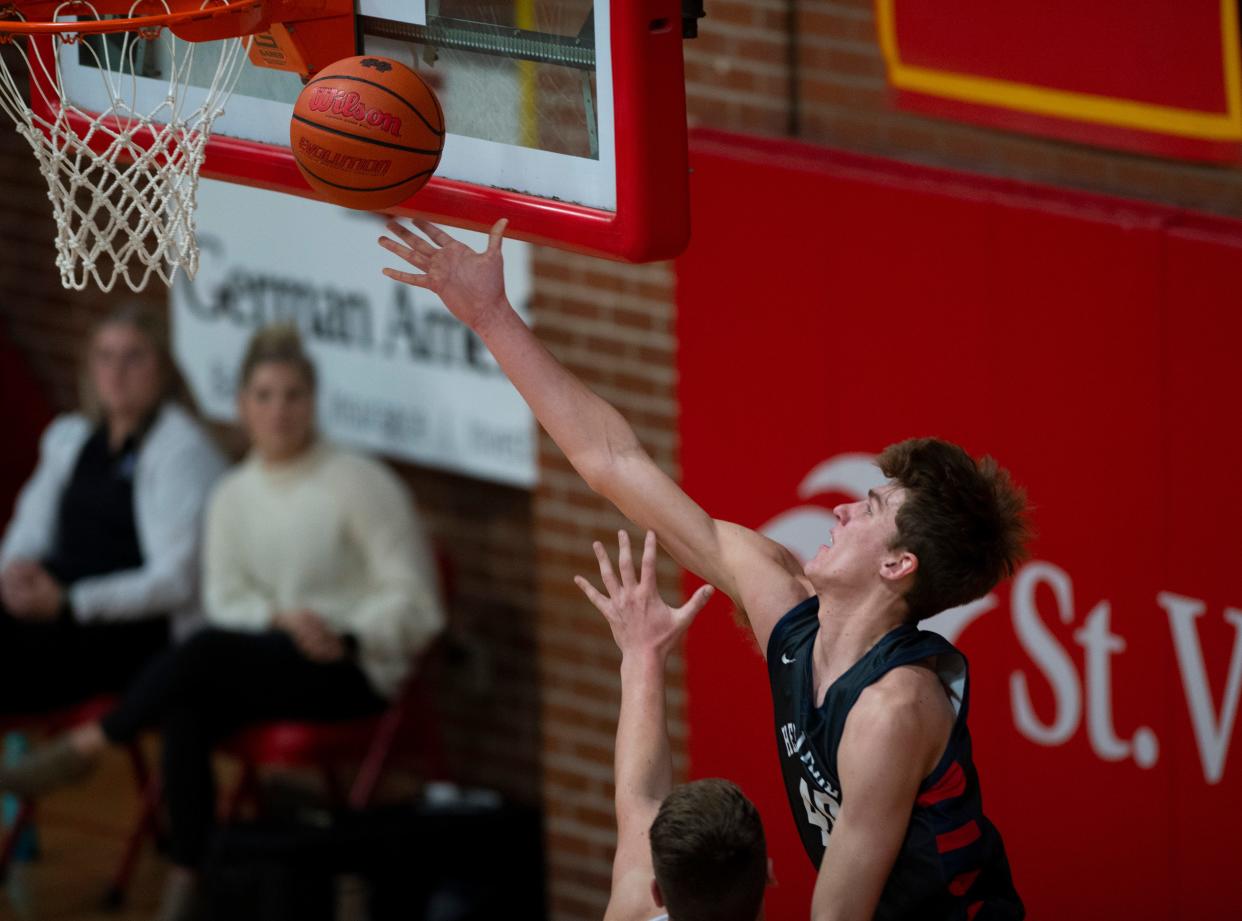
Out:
{"x": 411, "y": 255}
{"x": 407, "y": 236}
{"x": 436, "y": 235}
{"x": 647, "y": 575}
{"x": 625, "y": 560}
{"x": 419, "y": 245}
{"x": 418, "y": 281}
{"x": 605, "y": 569}
{"x": 496, "y": 235}
{"x": 593, "y": 596}
{"x": 688, "y": 611}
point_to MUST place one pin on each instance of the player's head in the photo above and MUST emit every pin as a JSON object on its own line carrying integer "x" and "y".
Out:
{"x": 709, "y": 854}
{"x": 942, "y": 532}
{"x": 276, "y": 393}
{"x": 127, "y": 369}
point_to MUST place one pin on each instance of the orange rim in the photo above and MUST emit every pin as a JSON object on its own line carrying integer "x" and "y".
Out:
{"x": 157, "y": 21}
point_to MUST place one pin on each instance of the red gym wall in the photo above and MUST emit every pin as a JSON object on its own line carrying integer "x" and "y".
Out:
{"x": 831, "y": 304}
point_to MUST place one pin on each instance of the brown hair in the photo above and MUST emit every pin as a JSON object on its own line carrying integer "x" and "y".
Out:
{"x": 279, "y": 343}
{"x": 153, "y": 325}
{"x": 709, "y": 854}
{"x": 964, "y": 520}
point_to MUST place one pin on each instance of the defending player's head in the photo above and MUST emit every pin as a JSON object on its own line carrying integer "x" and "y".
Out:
{"x": 962, "y": 519}
{"x": 709, "y": 854}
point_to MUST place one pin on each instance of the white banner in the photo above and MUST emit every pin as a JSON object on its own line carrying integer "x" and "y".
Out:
{"x": 398, "y": 374}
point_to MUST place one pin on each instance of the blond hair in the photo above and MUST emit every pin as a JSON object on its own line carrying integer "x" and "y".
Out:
{"x": 280, "y": 343}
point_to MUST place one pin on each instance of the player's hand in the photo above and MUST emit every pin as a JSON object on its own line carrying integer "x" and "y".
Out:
{"x": 472, "y": 285}
{"x": 311, "y": 634}
{"x": 639, "y": 618}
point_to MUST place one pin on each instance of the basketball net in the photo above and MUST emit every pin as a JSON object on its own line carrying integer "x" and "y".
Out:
{"x": 123, "y": 181}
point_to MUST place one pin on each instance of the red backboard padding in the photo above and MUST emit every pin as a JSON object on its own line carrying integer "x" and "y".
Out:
{"x": 1090, "y": 344}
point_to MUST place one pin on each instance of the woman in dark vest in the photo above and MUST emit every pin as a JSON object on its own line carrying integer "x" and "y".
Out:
{"x": 99, "y": 563}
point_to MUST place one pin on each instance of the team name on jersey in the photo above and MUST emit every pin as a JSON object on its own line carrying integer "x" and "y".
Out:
{"x": 822, "y": 805}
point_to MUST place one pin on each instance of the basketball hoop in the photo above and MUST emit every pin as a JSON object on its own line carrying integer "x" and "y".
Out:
{"x": 123, "y": 177}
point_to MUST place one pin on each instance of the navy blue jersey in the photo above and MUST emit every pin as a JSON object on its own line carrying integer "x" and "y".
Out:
{"x": 952, "y": 864}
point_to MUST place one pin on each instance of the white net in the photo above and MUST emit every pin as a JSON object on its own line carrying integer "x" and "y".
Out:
{"x": 123, "y": 180}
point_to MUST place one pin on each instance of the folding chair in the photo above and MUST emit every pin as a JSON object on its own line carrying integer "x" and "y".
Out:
{"x": 326, "y": 746}
{"x": 323, "y": 746}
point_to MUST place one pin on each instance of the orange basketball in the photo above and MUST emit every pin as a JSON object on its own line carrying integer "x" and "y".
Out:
{"x": 367, "y": 132}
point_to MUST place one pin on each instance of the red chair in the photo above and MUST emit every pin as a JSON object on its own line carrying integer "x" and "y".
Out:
{"x": 299, "y": 744}
{"x": 325, "y": 747}
{"x": 292, "y": 743}
{"x": 144, "y": 781}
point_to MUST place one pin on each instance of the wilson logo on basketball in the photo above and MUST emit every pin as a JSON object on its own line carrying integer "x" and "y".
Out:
{"x": 350, "y": 105}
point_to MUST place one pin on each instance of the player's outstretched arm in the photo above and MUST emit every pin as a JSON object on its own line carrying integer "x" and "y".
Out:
{"x": 761, "y": 577}
{"x": 646, "y": 630}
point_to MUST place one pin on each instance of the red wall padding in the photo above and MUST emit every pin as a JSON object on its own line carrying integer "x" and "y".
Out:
{"x": 832, "y": 304}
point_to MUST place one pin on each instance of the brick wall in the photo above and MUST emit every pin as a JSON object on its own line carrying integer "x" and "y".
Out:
{"x": 612, "y": 325}
{"x": 534, "y": 704}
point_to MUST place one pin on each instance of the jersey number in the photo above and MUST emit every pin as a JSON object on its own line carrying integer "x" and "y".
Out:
{"x": 821, "y": 810}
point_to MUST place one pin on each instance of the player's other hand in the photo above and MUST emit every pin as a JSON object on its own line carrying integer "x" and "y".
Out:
{"x": 640, "y": 620}
{"x": 472, "y": 285}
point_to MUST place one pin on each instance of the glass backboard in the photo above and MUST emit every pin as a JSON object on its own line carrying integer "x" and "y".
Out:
{"x": 566, "y": 116}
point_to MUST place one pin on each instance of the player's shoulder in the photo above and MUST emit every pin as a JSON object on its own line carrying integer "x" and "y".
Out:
{"x": 904, "y": 715}
{"x": 905, "y": 700}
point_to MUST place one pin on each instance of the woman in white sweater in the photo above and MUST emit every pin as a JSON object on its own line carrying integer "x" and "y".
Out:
{"x": 319, "y": 591}
{"x": 101, "y": 555}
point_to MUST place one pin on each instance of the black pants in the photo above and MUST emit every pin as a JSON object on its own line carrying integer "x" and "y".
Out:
{"x": 48, "y": 665}
{"x": 209, "y": 687}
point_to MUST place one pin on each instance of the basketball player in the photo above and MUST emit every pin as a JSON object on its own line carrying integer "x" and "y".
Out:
{"x": 870, "y": 711}
{"x": 695, "y": 851}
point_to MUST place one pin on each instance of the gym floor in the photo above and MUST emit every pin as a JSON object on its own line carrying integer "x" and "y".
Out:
{"x": 81, "y": 832}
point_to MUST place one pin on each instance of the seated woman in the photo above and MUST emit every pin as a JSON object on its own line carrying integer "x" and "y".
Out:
{"x": 102, "y": 552}
{"x": 319, "y": 591}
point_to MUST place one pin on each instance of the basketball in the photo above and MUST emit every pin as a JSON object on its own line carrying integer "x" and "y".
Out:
{"x": 367, "y": 132}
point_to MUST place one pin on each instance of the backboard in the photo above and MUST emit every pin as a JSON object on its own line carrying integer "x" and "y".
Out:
{"x": 565, "y": 116}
